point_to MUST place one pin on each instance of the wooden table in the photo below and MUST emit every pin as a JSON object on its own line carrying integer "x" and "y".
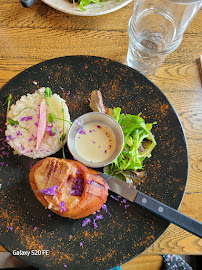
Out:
{"x": 29, "y": 36}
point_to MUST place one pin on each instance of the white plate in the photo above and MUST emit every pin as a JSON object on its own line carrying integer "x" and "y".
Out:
{"x": 91, "y": 9}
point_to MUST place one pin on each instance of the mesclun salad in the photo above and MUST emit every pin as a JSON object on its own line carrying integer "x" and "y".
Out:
{"x": 138, "y": 145}
{"x": 83, "y": 3}
{"x": 138, "y": 142}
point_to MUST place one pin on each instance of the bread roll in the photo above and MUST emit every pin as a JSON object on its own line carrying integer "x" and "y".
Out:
{"x": 67, "y": 187}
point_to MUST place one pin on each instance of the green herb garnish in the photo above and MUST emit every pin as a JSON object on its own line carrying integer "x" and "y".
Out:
{"x": 52, "y": 118}
{"x": 15, "y": 123}
{"x": 48, "y": 92}
{"x": 51, "y": 115}
{"x": 10, "y": 120}
{"x": 53, "y": 130}
{"x": 83, "y": 3}
{"x": 62, "y": 120}
{"x": 47, "y": 95}
{"x": 22, "y": 110}
{"x": 8, "y": 102}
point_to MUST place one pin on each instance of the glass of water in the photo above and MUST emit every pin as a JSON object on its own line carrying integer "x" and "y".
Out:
{"x": 156, "y": 29}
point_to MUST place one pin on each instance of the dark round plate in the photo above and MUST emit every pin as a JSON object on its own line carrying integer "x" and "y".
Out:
{"x": 126, "y": 230}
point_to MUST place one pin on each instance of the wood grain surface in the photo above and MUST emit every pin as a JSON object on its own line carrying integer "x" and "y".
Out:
{"x": 29, "y": 36}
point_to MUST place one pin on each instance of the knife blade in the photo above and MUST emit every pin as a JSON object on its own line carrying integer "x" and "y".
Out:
{"x": 129, "y": 192}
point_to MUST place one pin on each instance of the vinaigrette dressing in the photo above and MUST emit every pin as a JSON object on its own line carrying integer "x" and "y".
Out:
{"x": 95, "y": 142}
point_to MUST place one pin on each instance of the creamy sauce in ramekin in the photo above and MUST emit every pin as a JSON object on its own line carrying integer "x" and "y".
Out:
{"x": 95, "y": 142}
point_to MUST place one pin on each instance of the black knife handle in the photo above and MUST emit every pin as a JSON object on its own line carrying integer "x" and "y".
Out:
{"x": 169, "y": 214}
{"x": 27, "y": 3}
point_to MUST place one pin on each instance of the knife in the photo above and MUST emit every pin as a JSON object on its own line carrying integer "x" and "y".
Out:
{"x": 129, "y": 192}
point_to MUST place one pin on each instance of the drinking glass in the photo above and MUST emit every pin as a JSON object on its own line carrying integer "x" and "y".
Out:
{"x": 156, "y": 29}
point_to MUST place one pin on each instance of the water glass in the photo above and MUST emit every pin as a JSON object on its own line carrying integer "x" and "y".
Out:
{"x": 156, "y": 29}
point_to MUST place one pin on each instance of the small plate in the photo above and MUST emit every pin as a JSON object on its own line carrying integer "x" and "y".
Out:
{"x": 91, "y": 9}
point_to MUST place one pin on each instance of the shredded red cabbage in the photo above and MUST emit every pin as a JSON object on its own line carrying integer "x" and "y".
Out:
{"x": 62, "y": 204}
{"x": 19, "y": 133}
{"x": 50, "y": 190}
{"x": 10, "y": 137}
{"x": 104, "y": 207}
{"x": 77, "y": 187}
{"x": 86, "y": 221}
{"x": 98, "y": 217}
{"x": 22, "y": 147}
{"x": 113, "y": 197}
{"x": 50, "y": 130}
{"x": 5, "y": 153}
{"x": 26, "y": 118}
{"x": 81, "y": 131}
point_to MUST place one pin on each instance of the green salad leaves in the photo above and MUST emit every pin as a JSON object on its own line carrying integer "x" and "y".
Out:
{"x": 83, "y": 3}
{"x": 138, "y": 144}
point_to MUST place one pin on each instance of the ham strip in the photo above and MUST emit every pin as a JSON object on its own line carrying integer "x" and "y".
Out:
{"x": 42, "y": 124}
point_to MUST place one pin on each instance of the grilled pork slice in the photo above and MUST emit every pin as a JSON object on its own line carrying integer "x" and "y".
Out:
{"x": 67, "y": 187}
